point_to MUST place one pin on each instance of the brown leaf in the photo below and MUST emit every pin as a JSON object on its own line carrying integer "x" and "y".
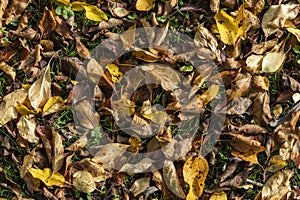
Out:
{"x": 27, "y": 163}
{"x": 45, "y": 134}
{"x": 58, "y": 152}
{"x": 140, "y": 186}
{"x": 261, "y": 108}
{"x": 3, "y": 5}
{"x": 241, "y": 85}
{"x": 64, "y": 28}
{"x": 86, "y": 115}
{"x": 295, "y": 154}
{"x": 48, "y": 23}
{"x": 261, "y": 82}
{"x": 82, "y": 51}
{"x": 84, "y": 181}
{"x": 26, "y": 129}
{"x": 10, "y": 71}
{"x": 252, "y": 129}
{"x": 171, "y": 179}
{"x": 238, "y": 106}
{"x": 15, "y": 10}
{"x": 261, "y": 48}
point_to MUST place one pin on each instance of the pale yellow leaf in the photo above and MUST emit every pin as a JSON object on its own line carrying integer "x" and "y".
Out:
{"x": 120, "y": 12}
{"x": 54, "y": 104}
{"x": 94, "y": 13}
{"x": 10, "y": 71}
{"x": 144, "y": 5}
{"x": 78, "y": 5}
{"x": 218, "y": 196}
{"x": 40, "y": 91}
{"x": 66, "y": 2}
{"x": 46, "y": 176}
{"x": 26, "y": 129}
{"x": 84, "y": 181}
{"x": 272, "y": 62}
{"x": 140, "y": 186}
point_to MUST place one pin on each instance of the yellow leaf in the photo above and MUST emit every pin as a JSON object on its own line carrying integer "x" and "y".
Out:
{"x": 53, "y": 105}
{"x": 44, "y": 175}
{"x": 144, "y": 5}
{"x": 78, "y": 5}
{"x": 154, "y": 113}
{"x": 145, "y": 56}
{"x": 276, "y": 163}
{"x": 229, "y": 27}
{"x": 24, "y": 110}
{"x": 94, "y": 13}
{"x": 10, "y": 71}
{"x": 272, "y": 62}
{"x": 135, "y": 144}
{"x": 218, "y": 196}
{"x": 66, "y": 2}
{"x": 115, "y": 73}
{"x": 195, "y": 170}
{"x": 248, "y": 157}
{"x": 209, "y": 94}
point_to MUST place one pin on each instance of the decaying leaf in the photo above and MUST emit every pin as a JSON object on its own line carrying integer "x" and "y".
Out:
{"x": 10, "y": 71}
{"x": 48, "y": 22}
{"x": 82, "y": 51}
{"x": 8, "y": 111}
{"x": 276, "y": 16}
{"x": 140, "y": 186}
{"x": 144, "y": 5}
{"x": 171, "y": 179}
{"x": 40, "y": 91}
{"x": 84, "y": 181}
{"x": 15, "y": 10}
{"x": 47, "y": 176}
{"x": 277, "y": 185}
{"x": 276, "y": 163}
{"x": 85, "y": 115}
{"x": 195, "y": 170}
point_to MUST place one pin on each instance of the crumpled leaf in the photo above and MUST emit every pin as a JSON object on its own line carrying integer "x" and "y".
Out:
{"x": 145, "y": 56}
{"x": 253, "y": 63}
{"x": 82, "y": 51}
{"x": 10, "y": 71}
{"x": 40, "y": 91}
{"x": 229, "y": 27}
{"x": 135, "y": 144}
{"x": 47, "y": 177}
{"x": 276, "y": 16}
{"x": 115, "y": 72}
{"x": 26, "y": 129}
{"x": 261, "y": 82}
{"x": 155, "y": 113}
{"x": 84, "y": 181}
{"x": 277, "y": 185}
{"x": 140, "y": 186}
{"x": 144, "y": 5}
{"x": 238, "y": 106}
{"x": 15, "y": 10}
{"x": 8, "y": 111}
{"x": 48, "y": 22}
{"x": 171, "y": 179}
{"x": 195, "y": 170}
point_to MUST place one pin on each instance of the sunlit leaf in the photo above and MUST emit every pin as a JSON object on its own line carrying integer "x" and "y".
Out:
{"x": 144, "y": 5}
{"x": 46, "y": 176}
{"x": 140, "y": 185}
{"x": 115, "y": 72}
{"x": 26, "y": 129}
{"x": 84, "y": 181}
{"x": 94, "y": 13}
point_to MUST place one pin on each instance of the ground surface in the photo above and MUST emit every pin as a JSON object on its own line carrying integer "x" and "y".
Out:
{"x": 215, "y": 105}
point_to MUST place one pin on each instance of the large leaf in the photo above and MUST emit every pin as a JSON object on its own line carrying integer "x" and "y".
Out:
{"x": 47, "y": 176}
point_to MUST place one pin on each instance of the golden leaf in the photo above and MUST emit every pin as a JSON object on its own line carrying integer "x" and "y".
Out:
{"x": 94, "y": 13}
{"x": 218, "y": 196}
{"x": 24, "y": 110}
{"x": 145, "y": 56}
{"x": 195, "y": 170}
{"x": 276, "y": 163}
{"x": 46, "y": 176}
{"x": 144, "y": 5}
{"x": 78, "y": 5}
{"x": 54, "y": 104}
{"x": 115, "y": 73}
{"x": 66, "y": 2}
{"x": 48, "y": 22}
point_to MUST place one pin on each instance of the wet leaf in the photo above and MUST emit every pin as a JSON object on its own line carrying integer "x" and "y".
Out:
{"x": 144, "y": 5}
{"x": 8, "y": 111}
{"x": 47, "y": 177}
{"x": 140, "y": 186}
{"x": 171, "y": 179}
{"x": 26, "y": 129}
{"x": 195, "y": 170}
{"x": 84, "y": 181}
{"x": 40, "y": 91}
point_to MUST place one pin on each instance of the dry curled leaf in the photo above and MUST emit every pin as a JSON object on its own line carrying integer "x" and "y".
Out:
{"x": 140, "y": 186}
{"x": 48, "y": 22}
{"x": 58, "y": 152}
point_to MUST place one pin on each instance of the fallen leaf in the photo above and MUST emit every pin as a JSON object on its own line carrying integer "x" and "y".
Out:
{"x": 8, "y": 111}
{"x": 155, "y": 113}
{"x": 58, "y": 152}
{"x": 135, "y": 144}
{"x": 276, "y": 163}
{"x": 53, "y": 105}
{"x": 248, "y": 157}
{"x": 139, "y": 167}
{"x": 144, "y": 5}
{"x": 94, "y": 13}
{"x": 48, "y": 22}
{"x": 3, "y": 5}
{"x": 120, "y": 12}
{"x": 85, "y": 114}
{"x": 145, "y": 56}
{"x": 253, "y": 63}
{"x": 171, "y": 179}
{"x": 26, "y": 128}
{"x": 66, "y": 2}
{"x": 84, "y": 181}
{"x": 261, "y": 108}
{"x": 228, "y": 27}
{"x": 261, "y": 82}
{"x": 261, "y": 48}
{"x": 82, "y": 51}
{"x": 10, "y": 71}
{"x": 116, "y": 74}
{"x": 276, "y": 16}
{"x": 140, "y": 186}
{"x": 277, "y": 186}
{"x": 78, "y": 5}
{"x": 15, "y": 9}
{"x": 295, "y": 154}
{"x": 195, "y": 170}
{"x": 24, "y": 110}
{"x": 27, "y": 163}
{"x": 40, "y": 91}
{"x": 47, "y": 177}
{"x": 218, "y": 196}
{"x": 272, "y": 62}
{"x": 238, "y": 106}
